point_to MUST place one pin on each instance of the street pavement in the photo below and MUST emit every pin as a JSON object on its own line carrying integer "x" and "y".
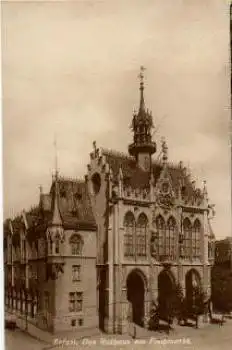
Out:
{"x": 211, "y": 337}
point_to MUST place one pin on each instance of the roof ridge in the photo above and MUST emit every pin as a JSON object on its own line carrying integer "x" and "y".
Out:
{"x": 107, "y": 151}
{"x": 70, "y": 179}
{"x": 170, "y": 164}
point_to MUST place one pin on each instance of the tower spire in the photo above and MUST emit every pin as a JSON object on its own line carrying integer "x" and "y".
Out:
{"x": 141, "y": 88}
{"x": 55, "y": 157}
{"x": 142, "y": 147}
{"x": 56, "y": 217}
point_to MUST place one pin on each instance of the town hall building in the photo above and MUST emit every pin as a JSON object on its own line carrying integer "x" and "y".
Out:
{"x": 98, "y": 252}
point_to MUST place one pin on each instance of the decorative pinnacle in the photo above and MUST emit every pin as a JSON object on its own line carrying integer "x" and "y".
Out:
{"x": 164, "y": 150}
{"x": 56, "y": 158}
{"x": 205, "y": 192}
{"x": 41, "y": 189}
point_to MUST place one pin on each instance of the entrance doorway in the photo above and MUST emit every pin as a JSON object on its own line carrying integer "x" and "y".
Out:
{"x": 166, "y": 293}
{"x": 192, "y": 286}
{"x": 135, "y": 295}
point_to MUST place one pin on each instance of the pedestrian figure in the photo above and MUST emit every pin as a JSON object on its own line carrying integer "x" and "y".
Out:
{"x": 222, "y": 320}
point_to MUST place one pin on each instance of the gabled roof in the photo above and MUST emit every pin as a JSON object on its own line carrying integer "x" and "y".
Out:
{"x": 135, "y": 177}
{"x": 74, "y": 203}
{"x": 74, "y": 206}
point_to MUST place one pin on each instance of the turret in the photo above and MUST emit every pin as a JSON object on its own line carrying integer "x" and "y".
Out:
{"x": 142, "y": 147}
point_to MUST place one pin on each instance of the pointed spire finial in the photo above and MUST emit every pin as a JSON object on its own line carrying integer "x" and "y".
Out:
{"x": 141, "y": 77}
{"x": 56, "y": 157}
{"x": 56, "y": 217}
{"x": 41, "y": 189}
{"x": 164, "y": 151}
{"x": 205, "y": 191}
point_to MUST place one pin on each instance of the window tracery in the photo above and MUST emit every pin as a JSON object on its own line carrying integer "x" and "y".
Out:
{"x": 129, "y": 226}
{"x": 141, "y": 235}
{"x": 196, "y": 239}
{"x": 76, "y": 244}
{"x": 170, "y": 238}
{"x": 187, "y": 238}
{"x": 160, "y": 226}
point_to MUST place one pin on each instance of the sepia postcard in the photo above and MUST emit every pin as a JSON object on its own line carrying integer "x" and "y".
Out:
{"x": 116, "y": 128}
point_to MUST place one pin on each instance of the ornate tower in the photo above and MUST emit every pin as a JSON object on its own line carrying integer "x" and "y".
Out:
{"x": 143, "y": 147}
{"x": 55, "y": 235}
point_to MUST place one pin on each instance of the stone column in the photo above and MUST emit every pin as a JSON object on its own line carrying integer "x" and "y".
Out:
{"x": 124, "y": 306}
{"x": 206, "y": 267}
{"x": 205, "y": 239}
{"x": 154, "y": 282}
{"x": 181, "y": 277}
{"x": 147, "y": 304}
{"x": 109, "y": 290}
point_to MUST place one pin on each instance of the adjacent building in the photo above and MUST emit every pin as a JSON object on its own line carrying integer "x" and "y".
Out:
{"x": 221, "y": 275}
{"x": 95, "y": 253}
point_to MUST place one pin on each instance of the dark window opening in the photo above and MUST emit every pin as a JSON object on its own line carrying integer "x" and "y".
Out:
{"x": 80, "y": 322}
{"x": 73, "y": 323}
{"x": 96, "y": 183}
{"x": 78, "y": 196}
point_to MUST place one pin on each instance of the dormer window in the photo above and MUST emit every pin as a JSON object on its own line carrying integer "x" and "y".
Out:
{"x": 76, "y": 243}
{"x": 96, "y": 183}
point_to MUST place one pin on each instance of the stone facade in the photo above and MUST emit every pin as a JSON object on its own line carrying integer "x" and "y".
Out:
{"x": 131, "y": 232}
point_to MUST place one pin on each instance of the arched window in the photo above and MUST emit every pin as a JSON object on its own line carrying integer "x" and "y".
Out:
{"x": 141, "y": 235}
{"x": 129, "y": 227}
{"x": 160, "y": 226}
{"x": 76, "y": 244}
{"x": 57, "y": 244}
{"x": 196, "y": 239}
{"x": 187, "y": 239}
{"x": 170, "y": 238}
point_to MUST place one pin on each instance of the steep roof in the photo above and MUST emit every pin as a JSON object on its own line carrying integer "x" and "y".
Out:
{"x": 135, "y": 177}
{"x": 74, "y": 202}
{"x": 74, "y": 206}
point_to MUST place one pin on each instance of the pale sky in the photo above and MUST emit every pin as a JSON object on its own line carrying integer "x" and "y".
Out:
{"x": 70, "y": 69}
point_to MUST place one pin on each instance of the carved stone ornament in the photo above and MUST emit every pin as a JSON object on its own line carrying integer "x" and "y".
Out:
{"x": 165, "y": 201}
{"x": 154, "y": 244}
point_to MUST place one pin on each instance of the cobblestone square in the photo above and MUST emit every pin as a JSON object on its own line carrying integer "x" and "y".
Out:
{"x": 211, "y": 337}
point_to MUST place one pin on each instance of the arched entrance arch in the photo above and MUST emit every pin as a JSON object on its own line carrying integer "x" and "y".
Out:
{"x": 192, "y": 286}
{"x": 166, "y": 292}
{"x": 136, "y": 284}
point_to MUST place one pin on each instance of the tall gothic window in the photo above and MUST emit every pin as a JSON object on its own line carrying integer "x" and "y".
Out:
{"x": 160, "y": 226}
{"x": 141, "y": 235}
{"x": 57, "y": 244}
{"x": 187, "y": 239}
{"x": 196, "y": 239}
{"x": 76, "y": 244}
{"x": 170, "y": 237}
{"x": 129, "y": 227}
